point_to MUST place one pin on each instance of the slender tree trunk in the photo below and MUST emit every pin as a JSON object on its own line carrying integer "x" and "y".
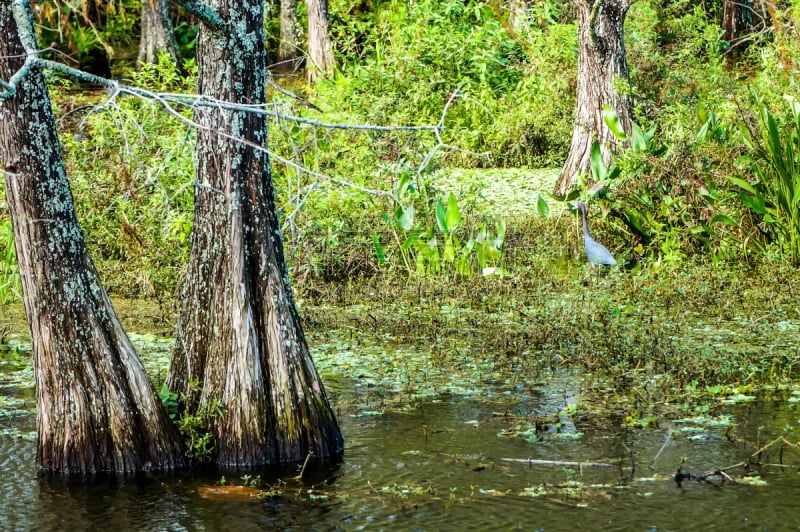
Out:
{"x": 288, "y": 48}
{"x": 602, "y": 68}
{"x": 157, "y": 35}
{"x": 517, "y": 17}
{"x": 320, "y": 50}
{"x": 96, "y": 409}
{"x": 239, "y": 335}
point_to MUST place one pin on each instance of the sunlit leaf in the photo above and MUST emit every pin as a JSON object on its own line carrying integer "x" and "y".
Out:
{"x": 453, "y": 214}
{"x": 599, "y": 169}
{"x": 638, "y": 141}
{"x": 542, "y": 208}
{"x": 441, "y": 217}
{"x": 378, "y": 249}
{"x": 612, "y": 121}
{"x": 721, "y": 218}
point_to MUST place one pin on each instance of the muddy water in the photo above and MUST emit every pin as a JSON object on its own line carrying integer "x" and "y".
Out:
{"x": 437, "y": 463}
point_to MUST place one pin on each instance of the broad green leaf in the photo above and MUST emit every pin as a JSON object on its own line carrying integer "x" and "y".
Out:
{"x": 638, "y": 141}
{"x": 612, "y": 121}
{"x": 441, "y": 217}
{"x": 599, "y": 169}
{"x": 403, "y": 184}
{"x": 449, "y": 252}
{"x": 754, "y": 203}
{"x": 721, "y": 218}
{"x": 378, "y": 249}
{"x": 744, "y": 185}
{"x": 702, "y": 114}
{"x": 501, "y": 231}
{"x": 411, "y": 240}
{"x": 405, "y": 217}
{"x": 542, "y": 208}
{"x": 453, "y": 214}
{"x": 703, "y": 133}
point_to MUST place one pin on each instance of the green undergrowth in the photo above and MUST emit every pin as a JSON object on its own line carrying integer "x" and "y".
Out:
{"x": 701, "y": 326}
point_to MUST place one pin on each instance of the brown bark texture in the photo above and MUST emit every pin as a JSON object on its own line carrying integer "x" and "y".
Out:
{"x": 96, "y": 408}
{"x": 157, "y": 34}
{"x": 602, "y": 65}
{"x": 320, "y": 51}
{"x": 239, "y": 339}
{"x": 288, "y": 48}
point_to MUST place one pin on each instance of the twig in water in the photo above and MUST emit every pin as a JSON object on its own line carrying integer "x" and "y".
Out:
{"x": 557, "y": 463}
{"x": 663, "y": 446}
{"x": 302, "y": 469}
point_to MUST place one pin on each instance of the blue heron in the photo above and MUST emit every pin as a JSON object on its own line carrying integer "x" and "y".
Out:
{"x": 595, "y": 252}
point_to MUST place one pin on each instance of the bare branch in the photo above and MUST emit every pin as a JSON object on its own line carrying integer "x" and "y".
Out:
{"x": 22, "y": 15}
{"x": 204, "y": 12}
{"x": 557, "y": 463}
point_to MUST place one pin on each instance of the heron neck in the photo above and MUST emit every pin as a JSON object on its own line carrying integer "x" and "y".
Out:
{"x": 585, "y": 224}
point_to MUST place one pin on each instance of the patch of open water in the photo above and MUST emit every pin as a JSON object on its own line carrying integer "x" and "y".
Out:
{"x": 437, "y": 463}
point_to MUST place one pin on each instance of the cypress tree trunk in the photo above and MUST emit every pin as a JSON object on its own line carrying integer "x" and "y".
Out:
{"x": 288, "y": 48}
{"x": 320, "y": 50}
{"x": 96, "y": 408}
{"x": 602, "y": 64}
{"x": 239, "y": 335}
{"x": 157, "y": 35}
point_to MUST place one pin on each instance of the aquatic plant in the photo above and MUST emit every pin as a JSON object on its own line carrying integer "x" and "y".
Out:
{"x": 774, "y": 160}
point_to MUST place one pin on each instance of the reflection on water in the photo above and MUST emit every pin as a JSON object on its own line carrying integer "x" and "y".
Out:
{"x": 437, "y": 467}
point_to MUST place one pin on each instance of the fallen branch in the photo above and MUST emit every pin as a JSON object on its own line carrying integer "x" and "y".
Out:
{"x": 557, "y": 463}
{"x": 661, "y": 450}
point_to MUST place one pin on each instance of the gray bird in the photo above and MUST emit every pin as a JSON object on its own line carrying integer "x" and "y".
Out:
{"x": 595, "y": 252}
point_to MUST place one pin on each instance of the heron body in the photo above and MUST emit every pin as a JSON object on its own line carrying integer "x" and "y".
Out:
{"x": 595, "y": 251}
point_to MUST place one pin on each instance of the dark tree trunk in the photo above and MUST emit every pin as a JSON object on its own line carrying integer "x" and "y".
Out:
{"x": 320, "y": 51}
{"x": 239, "y": 335}
{"x": 288, "y": 48}
{"x": 157, "y": 35}
{"x": 602, "y": 66}
{"x": 96, "y": 409}
{"x": 742, "y": 18}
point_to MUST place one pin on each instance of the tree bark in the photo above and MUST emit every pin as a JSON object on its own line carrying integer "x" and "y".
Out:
{"x": 157, "y": 35}
{"x": 96, "y": 408}
{"x": 602, "y": 67}
{"x": 320, "y": 50}
{"x": 239, "y": 336}
{"x": 288, "y": 48}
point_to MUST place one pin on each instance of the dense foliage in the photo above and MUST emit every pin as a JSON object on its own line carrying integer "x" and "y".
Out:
{"x": 711, "y": 171}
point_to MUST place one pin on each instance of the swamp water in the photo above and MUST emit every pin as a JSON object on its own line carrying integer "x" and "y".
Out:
{"x": 435, "y": 461}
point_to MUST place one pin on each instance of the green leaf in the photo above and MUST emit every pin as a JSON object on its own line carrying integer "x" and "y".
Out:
{"x": 612, "y": 121}
{"x": 744, "y": 185}
{"x": 501, "y": 232}
{"x": 702, "y": 114}
{"x": 411, "y": 240}
{"x": 403, "y": 184}
{"x": 703, "y": 133}
{"x": 599, "y": 169}
{"x": 453, "y": 214}
{"x": 638, "y": 141}
{"x": 378, "y": 249}
{"x": 404, "y": 218}
{"x": 449, "y": 252}
{"x": 721, "y": 218}
{"x": 542, "y": 208}
{"x": 754, "y": 203}
{"x": 441, "y": 217}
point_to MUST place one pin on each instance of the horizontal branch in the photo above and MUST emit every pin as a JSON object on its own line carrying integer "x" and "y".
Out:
{"x": 193, "y": 100}
{"x": 204, "y": 12}
{"x": 557, "y": 463}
